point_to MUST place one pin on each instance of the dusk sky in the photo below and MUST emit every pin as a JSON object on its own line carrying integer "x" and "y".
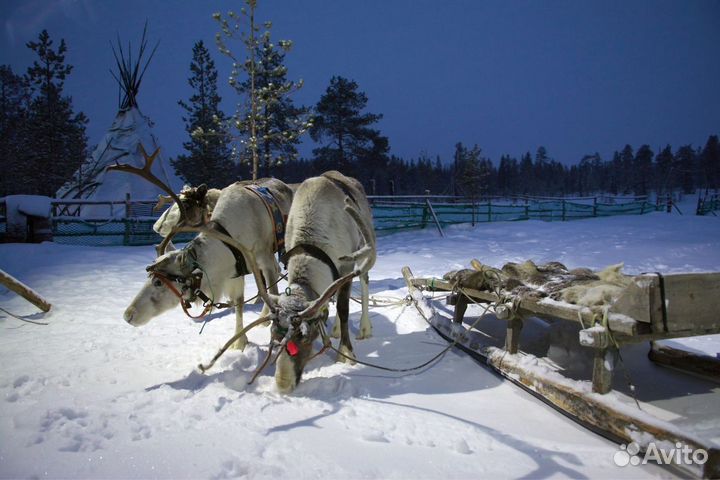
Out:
{"x": 575, "y": 76}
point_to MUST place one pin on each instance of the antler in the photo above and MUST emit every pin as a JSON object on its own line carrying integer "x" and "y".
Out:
{"x": 315, "y": 307}
{"x": 146, "y": 173}
{"x": 162, "y": 201}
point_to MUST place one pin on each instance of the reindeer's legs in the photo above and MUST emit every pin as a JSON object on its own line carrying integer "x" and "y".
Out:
{"x": 365, "y": 325}
{"x": 343, "y": 314}
{"x": 269, "y": 268}
{"x": 239, "y": 298}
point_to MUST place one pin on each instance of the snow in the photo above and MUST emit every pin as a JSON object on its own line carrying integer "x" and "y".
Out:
{"x": 89, "y": 396}
{"x": 29, "y": 205}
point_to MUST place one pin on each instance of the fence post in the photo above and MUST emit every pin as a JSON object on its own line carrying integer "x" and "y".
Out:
{"x": 563, "y": 210}
{"x": 594, "y": 206}
{"x": 439, "y": 227}
{"x": 126, "y": 220}
{"x": 527, "y": 209}
{"x": 425, "y": 213}
{"x": 489, "y": 210}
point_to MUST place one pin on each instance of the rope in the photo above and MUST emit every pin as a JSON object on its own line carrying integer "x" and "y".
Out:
{"x": 408, "y": 300}
{"x": 23, "y": 319}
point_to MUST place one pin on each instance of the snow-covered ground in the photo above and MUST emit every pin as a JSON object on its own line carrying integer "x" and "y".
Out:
{"x": 88, "y": 396}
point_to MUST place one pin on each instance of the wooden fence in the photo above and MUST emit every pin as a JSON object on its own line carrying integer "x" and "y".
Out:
{"x": 129, "y": 222}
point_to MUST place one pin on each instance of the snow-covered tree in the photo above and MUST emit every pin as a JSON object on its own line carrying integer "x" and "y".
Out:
{"x": 208, "y": 159}
{"x": 267, "y": 123}
{"x": 55, "y": 133}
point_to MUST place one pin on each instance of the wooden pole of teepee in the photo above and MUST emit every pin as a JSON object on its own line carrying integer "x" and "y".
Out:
{"x": 24, "y": 291}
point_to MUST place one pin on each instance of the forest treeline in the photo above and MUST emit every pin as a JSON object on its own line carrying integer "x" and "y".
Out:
{"x": 43, "y": 141}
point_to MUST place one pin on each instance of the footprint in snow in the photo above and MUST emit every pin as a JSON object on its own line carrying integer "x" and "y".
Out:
{"x": 375, "y": 436}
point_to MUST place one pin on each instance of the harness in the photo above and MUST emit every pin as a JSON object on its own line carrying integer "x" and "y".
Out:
{"x": 192, "y": 282}
{"x": 179, "y": 285}
{"x": 241, "y": 268}
{"x": 313, "y": 251}
{"x": 276, "y": 215}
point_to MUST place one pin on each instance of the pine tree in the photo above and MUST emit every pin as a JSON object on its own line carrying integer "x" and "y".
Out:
{"x": 627, "y": 158}
{"x": 268, "y": 124}
{"x": 208, "y": 159}
{"x": 526, "y": 185}
{"x": 686, "y": 161}
{"x": 345, "y": 130}
{"x": 664, "y": 171}
{"x": 14, "y": 99}
{"x": 56, "y": 133}
{"x": 710, "y": 163}
{"x": 642, "y": 167}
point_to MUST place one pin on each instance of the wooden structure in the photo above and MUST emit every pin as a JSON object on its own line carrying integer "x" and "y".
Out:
{"x": 652, "y": 307}
{"x": 24, "y": 291}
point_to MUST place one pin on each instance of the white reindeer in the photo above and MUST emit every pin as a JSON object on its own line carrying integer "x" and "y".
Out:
{"x": 199, "y": 203}
{"x": 209, "y": 264}
{"x": 329, "y": 232}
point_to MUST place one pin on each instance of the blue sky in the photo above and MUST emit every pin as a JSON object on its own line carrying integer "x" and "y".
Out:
{"x": 575, "y": 76}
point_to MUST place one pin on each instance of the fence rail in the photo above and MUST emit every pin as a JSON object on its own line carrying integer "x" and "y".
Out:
{"x": 130, "y": 222}
{"x": 708, "y": 205}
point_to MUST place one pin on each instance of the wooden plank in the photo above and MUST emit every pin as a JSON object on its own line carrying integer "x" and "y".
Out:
{"x": 692, "y": 301}
{"x": 622, "y": 326}
{"x": 603, "y": 367}
{"x": 24, "y": 291}
{"x": 512, "y": 335}
{"x": 684, "y": 360}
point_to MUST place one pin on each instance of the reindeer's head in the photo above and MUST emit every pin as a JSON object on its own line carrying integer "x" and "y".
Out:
{"x": 295, "y": 333}
{"x": 172, "y": 278}
{"x": 195, "y": 204}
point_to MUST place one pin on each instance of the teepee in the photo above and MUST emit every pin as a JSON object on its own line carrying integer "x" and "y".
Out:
{"x": 121, "y": 144}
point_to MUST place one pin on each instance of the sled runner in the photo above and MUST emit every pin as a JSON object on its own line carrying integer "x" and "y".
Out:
{"x": 607, "y": 310}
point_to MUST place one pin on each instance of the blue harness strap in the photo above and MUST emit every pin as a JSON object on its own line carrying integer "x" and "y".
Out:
{"x": 276, "y": 215}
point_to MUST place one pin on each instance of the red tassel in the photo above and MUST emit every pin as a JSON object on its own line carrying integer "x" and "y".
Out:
{"x": 291, "y": 348}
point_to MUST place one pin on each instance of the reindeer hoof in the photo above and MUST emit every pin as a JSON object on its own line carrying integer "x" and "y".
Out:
{"x": 365, "y": 332}
{"x": 346, "y": 356}
{"x": 240, "y": 344}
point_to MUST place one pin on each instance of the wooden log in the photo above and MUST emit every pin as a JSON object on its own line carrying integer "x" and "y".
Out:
{"x": 24, "y": 291}
{"x": 684, "y": 360}
{"x": 409, "y": 280}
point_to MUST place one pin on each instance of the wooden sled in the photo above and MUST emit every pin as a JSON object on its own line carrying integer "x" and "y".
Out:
{"x": 691, "y": 302}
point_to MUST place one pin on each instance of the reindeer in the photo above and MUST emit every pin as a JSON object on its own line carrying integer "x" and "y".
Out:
{"x": 330, "y": 240}
{"x": 199, "y": 203}
{"x": 239, "y": 238}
